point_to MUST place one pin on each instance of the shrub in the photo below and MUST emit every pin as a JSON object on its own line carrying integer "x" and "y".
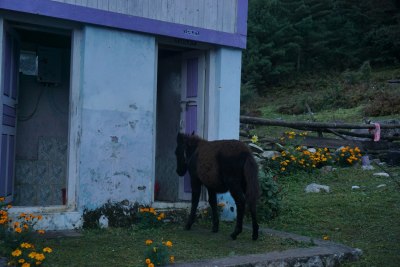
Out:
{"x": 270, "y": 200}
{"x": 383, "y": 103}
{"x": 120, "y": 214}
{"x": 17, "y": 239}
{"x": 149, "y": 218}
{"x": 158, "y": 254}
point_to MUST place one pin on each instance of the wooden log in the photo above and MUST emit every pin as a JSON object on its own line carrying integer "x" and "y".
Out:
{"x": 313, "y": 125}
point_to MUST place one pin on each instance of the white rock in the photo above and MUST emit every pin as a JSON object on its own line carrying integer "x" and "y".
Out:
{"x": 316, "y": 188}
{"x": 103, "y": 221}
{"x": 256, "y": 148}
{"x": 270, "y": 154}
{"x": 312, "y": 150}
{"x": 367, "y": 167}
{"x": 381, "y": 185}
{"x": 355, "y": 187}
{"x": 381, "y": 174}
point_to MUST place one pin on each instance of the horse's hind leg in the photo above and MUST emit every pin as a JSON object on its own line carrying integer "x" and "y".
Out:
{"x": 212, "y": 200}
{"x": 240, "y": 202}
{"x": 253, "y": 211}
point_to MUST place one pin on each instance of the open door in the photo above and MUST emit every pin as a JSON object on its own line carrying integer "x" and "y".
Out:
{"x": 192, "y": 105}
{"x": 8, "y": 101}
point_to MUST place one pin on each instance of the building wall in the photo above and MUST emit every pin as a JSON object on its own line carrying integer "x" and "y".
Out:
{"x": 224, "y": 107}
{"x": 117, "y": 138}
{"x": 217, "y": 15}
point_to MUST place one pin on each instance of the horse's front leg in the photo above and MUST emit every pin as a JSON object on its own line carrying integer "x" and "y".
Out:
{"x": 212, "y": 200}
{"x": 196, "y": 189}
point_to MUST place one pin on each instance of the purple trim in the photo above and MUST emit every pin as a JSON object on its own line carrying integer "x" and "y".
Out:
{"x": 10, "y": 174}
{"x": 9, "y": 116}
{"x": 3, "y": 164}
{"x": 192, "y": 80}
{"x": 110, "y": 19}
{"x": 241, "y": 18}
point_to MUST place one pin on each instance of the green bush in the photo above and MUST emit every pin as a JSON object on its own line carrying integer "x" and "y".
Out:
{"x": 270, "y": 200}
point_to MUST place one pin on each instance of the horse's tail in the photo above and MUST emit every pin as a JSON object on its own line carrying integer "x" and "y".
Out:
{"x": 252, "y": 184}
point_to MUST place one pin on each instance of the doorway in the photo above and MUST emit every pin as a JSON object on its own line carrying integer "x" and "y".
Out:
{"x": 42, "y": 113}
{"x": 180, "y": 108}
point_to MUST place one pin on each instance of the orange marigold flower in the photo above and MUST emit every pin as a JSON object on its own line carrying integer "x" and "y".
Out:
{"x": 168, "y": 244}
{"x": 16, "y": 253}
{"x": 172, "y": 259}
{"x": 26, "y": 264}
{"x": 18, "y": 230}
{"x": 47, "y": 250}
{"x": 41, "y": 232}
{"x": 148, "y": 261}
{"x": 149, "y": 242}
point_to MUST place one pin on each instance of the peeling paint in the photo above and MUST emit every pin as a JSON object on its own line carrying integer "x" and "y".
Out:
{"x": 114, "y": 139}
{"x": 133, "y": 106}
{"x": 124, "y": 173}
{"x": 142, "y": 187}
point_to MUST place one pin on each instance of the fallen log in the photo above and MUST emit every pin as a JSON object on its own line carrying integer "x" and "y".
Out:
{"x": 313, "y": 125}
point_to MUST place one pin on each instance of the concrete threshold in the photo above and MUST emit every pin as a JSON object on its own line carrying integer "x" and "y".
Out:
{"x": 322, "y": 254}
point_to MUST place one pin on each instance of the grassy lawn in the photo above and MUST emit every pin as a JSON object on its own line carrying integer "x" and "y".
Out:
{"x": 126, "y": 247}
{"x": 367, "y": 218}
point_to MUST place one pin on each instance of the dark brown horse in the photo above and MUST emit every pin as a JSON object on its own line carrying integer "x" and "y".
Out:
{"x": 225, "y": 165}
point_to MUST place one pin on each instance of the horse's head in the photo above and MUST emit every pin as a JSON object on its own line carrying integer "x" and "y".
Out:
{"x": 186, "y": 146}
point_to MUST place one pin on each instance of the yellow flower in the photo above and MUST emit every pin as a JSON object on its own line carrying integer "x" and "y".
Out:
{"x": 16, "y": 253}
{"x": 18, "y": 230}
{"x": 148, "y": 261}
{"x": 26, "y": 245}
{"x": 40, "y": 256}
{"x": 325, "y": 237}
{"x": 2, "y": 199}
{"x": 26, "y": 265}
{"x": 282, "y": 169}
{"x": 168, "y": 244}
{"x": 172, "y": 259}
{"x": 149, "y": 242}
{"x": 47, "y": 249}
{"x": 41, "y": 232}
{"x": 254, "y": 139}
{"x": 38, "y": 263}
{"x": 150, "y": 265}
{"x": 21, "y": 261}
{"x": 32, "y": 255}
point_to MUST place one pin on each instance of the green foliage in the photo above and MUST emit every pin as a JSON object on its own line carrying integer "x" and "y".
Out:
{"x": 158, "y": 254}
{"x": 291, "y": 37}
{"x": 119, "y": 214}
{"x": 384, "y": 102}
{"x": 148, "y": 218}
{"x": 270, "y": 200}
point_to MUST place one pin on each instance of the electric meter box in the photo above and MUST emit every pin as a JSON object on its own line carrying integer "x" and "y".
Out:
{"x": 49, "y": 65}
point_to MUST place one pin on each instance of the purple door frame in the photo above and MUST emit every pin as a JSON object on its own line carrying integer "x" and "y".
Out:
{"x": 9, "y": 114}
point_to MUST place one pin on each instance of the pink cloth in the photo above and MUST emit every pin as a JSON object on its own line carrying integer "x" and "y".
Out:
{"x": 377, "y": 132}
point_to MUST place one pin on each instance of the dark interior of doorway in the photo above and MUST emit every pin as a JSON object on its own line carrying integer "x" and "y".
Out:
{"x": 167, "y": 124}
{"x": 43, "y": 113}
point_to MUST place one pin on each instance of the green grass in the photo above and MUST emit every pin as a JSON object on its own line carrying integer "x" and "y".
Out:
{"x": 125, "y": 247}
{"x": 367, "y": 218}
